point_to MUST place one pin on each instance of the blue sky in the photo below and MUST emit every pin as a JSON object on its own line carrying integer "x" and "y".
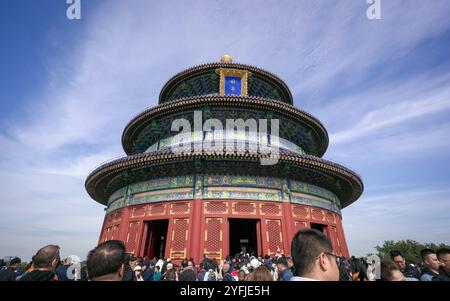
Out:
{"x": 68, "y": 88}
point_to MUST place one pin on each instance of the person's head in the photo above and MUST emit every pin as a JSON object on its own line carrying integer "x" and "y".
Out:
{"x": 47, "y": 258}
{"x": 430, "y": 259}
{"x": 169, "y": 266}
{"x": 241, "y": 275}
{"x": 398, "y": 259}
{"x": 145, "y": 264}
{"x": 290, "y": 262}
{"x": 282, "y": 264}
{"x": 157, "y": 268}
{"x": 106, "y": 261}
{"x": 391, "y": 272}
{"x": 138, "y": 271}
{"x": 261, "y": 273}
{"x": 190, "y": 264}
{"x": 226, "y": 268}
{"x": 184, "y": 263}
{"x": 15, "y": 263}
{"x": 313, "y": 257}
{"x": 443, "y": 255}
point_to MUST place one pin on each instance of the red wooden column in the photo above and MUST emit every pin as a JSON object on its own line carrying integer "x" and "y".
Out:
{"x": 123, "y": 229}
{"x": 341, "y": 237}
{"x": 196, "y": 218}
{"x": 288, "y": 226}
{"x": 259, "y": 238}
{"x": 103, "y": 229}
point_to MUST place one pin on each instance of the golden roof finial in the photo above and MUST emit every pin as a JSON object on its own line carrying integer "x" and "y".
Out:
{"x": 226, "y": 58}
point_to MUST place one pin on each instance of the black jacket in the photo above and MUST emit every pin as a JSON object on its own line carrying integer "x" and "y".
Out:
{"x": 8, "y": 274}
{"x": 38, "y": 275}
{"x": 427, "y": 271}
{"x": 443, "y": 275}
{"x": 411, "y": 272}
{"x": 148, "y": 274}
{"x": 187, "y": 275}
{"x": 128, "y": 274}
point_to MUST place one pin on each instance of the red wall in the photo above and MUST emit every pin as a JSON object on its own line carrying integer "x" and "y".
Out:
{"x": 198, "y": 227}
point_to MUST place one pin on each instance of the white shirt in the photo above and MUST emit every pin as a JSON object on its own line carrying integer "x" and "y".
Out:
{"x": 296, "y": 278}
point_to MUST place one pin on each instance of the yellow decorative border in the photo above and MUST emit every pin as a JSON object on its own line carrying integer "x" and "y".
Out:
{"x": 308, "y": 213}
{"x": 305, "y": 224}
{"x": 243, "y": 74}
{"x": 181, "y": 254}
{"x": 265, "y": 214}
{"x": 220, "y": 232}
{"x": 314, "y": 210}
{"x": 179, "y": 203}
{"x": 135, "y": 237}
{"x": 205, "y": 210}
{"x": 233, "y": 210}
{"x": 150, "y": 208}
{"x": 174, "y": 253}
{"x": 267, "y": 232}
{"x": 139, "y": 207}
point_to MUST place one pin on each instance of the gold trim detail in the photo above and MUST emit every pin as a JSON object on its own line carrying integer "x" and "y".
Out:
{"x": 243, "y": 74}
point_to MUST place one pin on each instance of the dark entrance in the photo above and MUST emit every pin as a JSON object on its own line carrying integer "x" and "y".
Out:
{"x": 318, "y": 227}
{"x": 155, "y": 244}
{"x": 243, "y": 236}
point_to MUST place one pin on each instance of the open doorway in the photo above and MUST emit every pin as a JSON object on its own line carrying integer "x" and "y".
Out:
{"x": 319, "y": 227}
{"x": 155, "y": 244}
{"x": 243, "y": 236}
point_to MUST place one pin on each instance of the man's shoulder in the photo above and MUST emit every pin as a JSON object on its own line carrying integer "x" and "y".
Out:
{"x": 287, "y": 275}
{"x": 7, "y": 273}
{"x": 426, "y": 277}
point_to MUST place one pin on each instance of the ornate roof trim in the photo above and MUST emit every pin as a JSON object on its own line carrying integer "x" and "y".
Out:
{"x": 128, "y": 163}
{"x": 182, "y": 104}
{"x": 190, "y": 71}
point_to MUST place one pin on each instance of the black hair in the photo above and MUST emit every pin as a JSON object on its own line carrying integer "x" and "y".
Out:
{"x": 282, "y": 260}
{"x": 395, "y": 253}
{"x": 15, "y": 260}
{"x": 307, "y": 244}
{"x": 426, "y": 252}
{"x": 106, "y": 258}
{"x": 184, "y": 263}
{"x": 442, "y": 252}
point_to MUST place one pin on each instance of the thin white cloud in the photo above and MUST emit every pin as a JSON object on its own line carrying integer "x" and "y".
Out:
{"x": 421, "y": 215}
{"x": 398, "y": 111}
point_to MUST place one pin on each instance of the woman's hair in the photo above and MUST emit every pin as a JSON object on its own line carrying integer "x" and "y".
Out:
{"x": 261, "y": 273}
{"x": 387, "y": 267}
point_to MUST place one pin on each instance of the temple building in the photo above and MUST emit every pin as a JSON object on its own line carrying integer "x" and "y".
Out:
{"x": 177, "y": 205}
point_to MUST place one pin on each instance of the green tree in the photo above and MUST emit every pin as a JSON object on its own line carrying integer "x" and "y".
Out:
{"x": 409, "y": 248}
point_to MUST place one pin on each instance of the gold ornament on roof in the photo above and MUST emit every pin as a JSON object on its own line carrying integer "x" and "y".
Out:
{"x": 226, "y": 58}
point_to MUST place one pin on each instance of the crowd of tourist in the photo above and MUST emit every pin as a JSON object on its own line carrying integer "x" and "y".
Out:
{"x": 311, "y": 259}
